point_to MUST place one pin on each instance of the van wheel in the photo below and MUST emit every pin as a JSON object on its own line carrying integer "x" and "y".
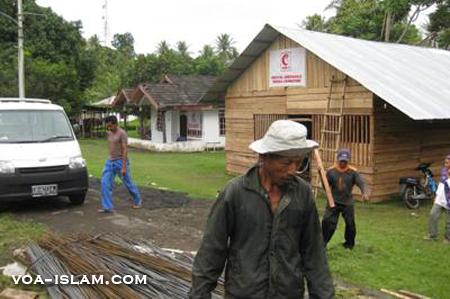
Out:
{"x": 77, "y": 199}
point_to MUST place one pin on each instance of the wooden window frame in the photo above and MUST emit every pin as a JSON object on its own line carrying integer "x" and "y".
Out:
{"x": 160, "y": 121}
{"x": 222, "y": 123}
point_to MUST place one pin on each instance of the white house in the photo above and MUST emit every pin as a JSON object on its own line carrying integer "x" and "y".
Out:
{"x": 171, "y": 111}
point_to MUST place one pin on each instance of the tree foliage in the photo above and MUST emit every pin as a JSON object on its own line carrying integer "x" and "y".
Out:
{"x": 384, "y": 20}
{"x": 56, "y": 65}
{"x": 178, "y": 60}
{"x": 315, "y": 22}
{"x": 69, "y": 70}
{"x": 225, "y": 48}
{"x": 440, "y": 24}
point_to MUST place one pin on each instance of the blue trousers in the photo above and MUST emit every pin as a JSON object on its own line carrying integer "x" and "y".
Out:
{"x": 111, "y": 169}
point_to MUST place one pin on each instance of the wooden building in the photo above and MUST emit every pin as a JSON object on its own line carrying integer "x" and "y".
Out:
{"x": 396, "y": 101}
{"x": 91, "y": 119}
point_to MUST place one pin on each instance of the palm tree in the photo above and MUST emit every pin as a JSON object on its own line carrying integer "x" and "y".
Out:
{"x": 207, "y": 51}
{"x": 163, "y": 48}
{"x": 224, "y": 43}
{"x": 183, "y": 49}
{"x": 225, "y": 48}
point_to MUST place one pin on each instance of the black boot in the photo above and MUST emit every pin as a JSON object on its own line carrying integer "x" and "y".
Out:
{"x": 347, "y": 246}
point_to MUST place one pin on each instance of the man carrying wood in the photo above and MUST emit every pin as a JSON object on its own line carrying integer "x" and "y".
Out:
{"x": 265, "y": 228}
{"x": 342, "y": 177}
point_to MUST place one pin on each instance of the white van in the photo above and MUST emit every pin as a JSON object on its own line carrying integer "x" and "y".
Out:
{"x": 39, "y": 153}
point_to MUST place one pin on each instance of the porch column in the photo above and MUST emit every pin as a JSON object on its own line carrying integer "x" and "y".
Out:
{"x": 141, "y": 122}
{"x": 163, "y": 116}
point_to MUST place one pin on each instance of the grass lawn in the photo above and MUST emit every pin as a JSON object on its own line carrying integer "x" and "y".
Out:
{"x": 390, "y": 251}
{"x": 132, "y": 128}
{"x": 198, "y": 174}
{"x": 14, "y": 234}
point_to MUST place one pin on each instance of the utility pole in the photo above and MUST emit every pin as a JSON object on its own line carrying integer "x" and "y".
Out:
{"x": 20, "y": 58}
{"x": 105, "y": 23}
{"x": 21, "y": 70}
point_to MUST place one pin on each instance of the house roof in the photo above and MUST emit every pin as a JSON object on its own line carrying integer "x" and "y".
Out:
{"x": 176, "y": 90}
{"x": 415, "y": 80}
{"x": 123, "y": 96}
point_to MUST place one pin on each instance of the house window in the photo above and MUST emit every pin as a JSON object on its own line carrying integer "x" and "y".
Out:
{"x": 355, "y": 135}
{"x": 222, "y": 122}
{"x": 356, "y": 129}
{"x": 195, "y": 124}
{"x": 160, "y": 121}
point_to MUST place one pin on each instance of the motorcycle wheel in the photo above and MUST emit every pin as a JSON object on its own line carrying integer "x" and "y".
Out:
{"x": 410, "y": 202}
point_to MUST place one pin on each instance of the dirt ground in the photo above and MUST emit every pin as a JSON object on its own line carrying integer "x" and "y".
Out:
{"x": 169, "y": 219}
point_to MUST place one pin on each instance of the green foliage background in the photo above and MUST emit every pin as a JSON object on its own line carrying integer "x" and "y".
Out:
{"x": 66, "y": 68}
{"x": 367, "y": 19}
{"x": 70, "y": 70}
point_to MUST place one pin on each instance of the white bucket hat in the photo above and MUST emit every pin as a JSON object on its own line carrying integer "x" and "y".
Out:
{"x": 285, "y": 138}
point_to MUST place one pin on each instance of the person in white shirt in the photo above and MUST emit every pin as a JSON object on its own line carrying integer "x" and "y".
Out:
{"x": 441, "y": 204}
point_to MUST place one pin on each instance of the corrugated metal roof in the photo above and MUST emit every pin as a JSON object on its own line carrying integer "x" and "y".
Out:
{"x": 415, "y": 80}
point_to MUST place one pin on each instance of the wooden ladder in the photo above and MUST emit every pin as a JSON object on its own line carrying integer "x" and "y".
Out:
{"x": 330, "y": 134}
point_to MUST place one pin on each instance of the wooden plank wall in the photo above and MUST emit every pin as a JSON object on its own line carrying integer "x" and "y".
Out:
{"x": 313, "y": 98}
{"x": 358, "y": 100}
{"x": 256, "y": 77}
{"x": 401, "y": 144}
{"x": 239, "y": 115}
{"x": 247, "y": 96}
{"x": 250, "y": 95}
{"x": 262, "y": 123}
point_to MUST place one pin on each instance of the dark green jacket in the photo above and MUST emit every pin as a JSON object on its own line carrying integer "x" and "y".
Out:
{"x": 266, "y": 256}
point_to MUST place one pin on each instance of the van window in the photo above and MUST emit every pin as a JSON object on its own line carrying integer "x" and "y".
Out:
{"x": 27, "y": 126}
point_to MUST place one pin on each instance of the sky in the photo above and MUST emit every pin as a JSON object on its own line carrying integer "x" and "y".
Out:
{"x": 198, "y": 22}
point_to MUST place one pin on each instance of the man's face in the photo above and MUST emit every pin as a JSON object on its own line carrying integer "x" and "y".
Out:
{"x": 343, "y": 164}
{"x": 280, "y": 169}
{"x": 111, "y": 127}
{"x": 447, "y": 163}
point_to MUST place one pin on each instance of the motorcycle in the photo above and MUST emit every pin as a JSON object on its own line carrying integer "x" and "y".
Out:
{"x": 413, "y": 189}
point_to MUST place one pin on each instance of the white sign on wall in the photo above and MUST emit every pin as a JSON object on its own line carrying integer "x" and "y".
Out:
{"x": 194, "y": 120}
{"x": 287, "y": 67}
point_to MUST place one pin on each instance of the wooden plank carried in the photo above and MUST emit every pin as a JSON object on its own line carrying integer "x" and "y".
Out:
{"x": 323, "y": 176}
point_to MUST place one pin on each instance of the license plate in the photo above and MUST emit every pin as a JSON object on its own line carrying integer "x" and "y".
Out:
{"x": 44, "y": 190}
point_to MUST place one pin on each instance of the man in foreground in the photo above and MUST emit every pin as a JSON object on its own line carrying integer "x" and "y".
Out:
{"x": 265, "y": 227}
{"x": 117, "y": 164}
{"x": 342, "y": 177}
{"x": 441, "y": 204}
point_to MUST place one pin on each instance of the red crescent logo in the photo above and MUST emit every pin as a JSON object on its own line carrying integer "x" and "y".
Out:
{"x": 284, "y": 59}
